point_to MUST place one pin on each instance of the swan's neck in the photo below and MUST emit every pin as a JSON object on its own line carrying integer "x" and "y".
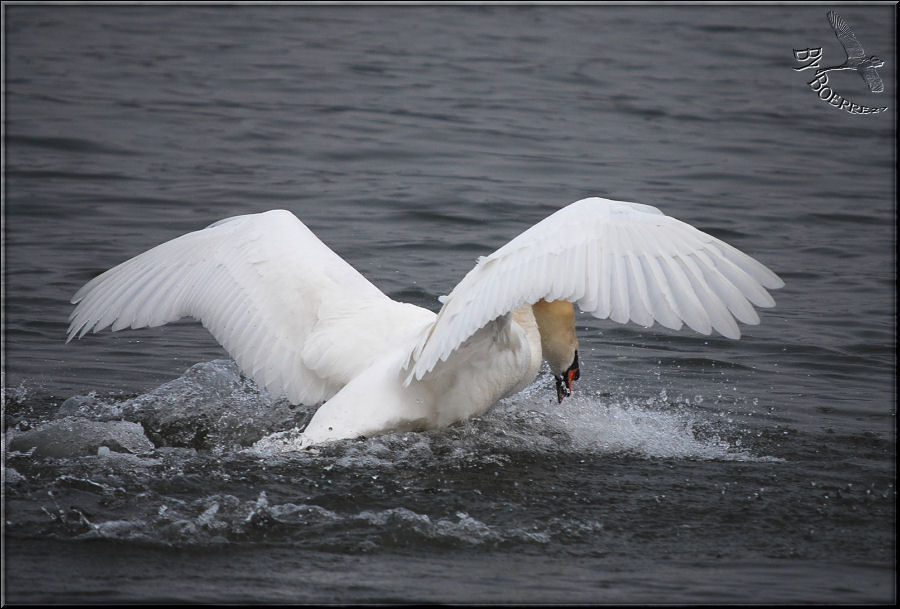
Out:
{"x": 556, "y": 325}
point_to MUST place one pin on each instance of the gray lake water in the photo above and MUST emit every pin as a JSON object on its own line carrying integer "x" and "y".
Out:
{"x": 412, "y": 139}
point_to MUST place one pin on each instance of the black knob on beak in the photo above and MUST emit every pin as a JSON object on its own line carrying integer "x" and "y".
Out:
{"x": 564, "y": 383}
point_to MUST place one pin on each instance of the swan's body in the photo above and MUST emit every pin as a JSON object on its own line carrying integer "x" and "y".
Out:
{"x": 305, "y": 325}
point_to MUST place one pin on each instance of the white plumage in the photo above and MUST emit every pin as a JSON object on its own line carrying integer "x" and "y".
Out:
{"x": 304, "y": 324}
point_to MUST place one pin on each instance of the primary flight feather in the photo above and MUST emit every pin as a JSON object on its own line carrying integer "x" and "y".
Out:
{"x": 305, "y": 325}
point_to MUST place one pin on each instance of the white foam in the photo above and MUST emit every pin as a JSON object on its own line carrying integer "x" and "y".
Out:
{"x": 644, "y": 427}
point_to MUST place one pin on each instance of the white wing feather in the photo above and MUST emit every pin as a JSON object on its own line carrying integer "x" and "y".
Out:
{"x": 295, "y": 317}
{"x": 625, "y": 261}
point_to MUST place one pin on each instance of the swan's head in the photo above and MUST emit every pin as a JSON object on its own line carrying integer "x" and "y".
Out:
{"x": 556, "y": 323}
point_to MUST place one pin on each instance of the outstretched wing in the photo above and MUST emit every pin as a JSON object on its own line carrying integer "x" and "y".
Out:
{"x": 295, "y": 316}
{"x": 625, "y": 261}
{"x": 845, "y": 36}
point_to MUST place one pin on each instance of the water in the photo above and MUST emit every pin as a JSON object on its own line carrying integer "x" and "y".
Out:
{"x": 412, "y": 140}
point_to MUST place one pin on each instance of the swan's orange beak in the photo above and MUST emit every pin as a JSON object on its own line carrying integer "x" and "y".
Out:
{"x": 564, "y": 382}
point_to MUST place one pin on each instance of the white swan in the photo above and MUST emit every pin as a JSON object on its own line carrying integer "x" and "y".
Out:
{"x": 304, "y": 324}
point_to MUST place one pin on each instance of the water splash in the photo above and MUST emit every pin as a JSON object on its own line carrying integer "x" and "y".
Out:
{"x": 653, "y": 426}
{"x": 594, "y": 424}
{"x": 213, "y": 407}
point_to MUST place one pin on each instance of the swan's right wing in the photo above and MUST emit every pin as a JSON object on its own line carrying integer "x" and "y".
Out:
{"x": 845, "y": 36}
{"x": 295, "y": 316}
{"x": 624, "y": 261}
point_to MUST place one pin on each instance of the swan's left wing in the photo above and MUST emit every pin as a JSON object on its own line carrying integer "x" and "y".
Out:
{"x": 625, "y": 261}
{"x": 296, "y": 317}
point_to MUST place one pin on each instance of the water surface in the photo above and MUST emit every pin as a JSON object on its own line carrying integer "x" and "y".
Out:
{"x": 412, "y": 140}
